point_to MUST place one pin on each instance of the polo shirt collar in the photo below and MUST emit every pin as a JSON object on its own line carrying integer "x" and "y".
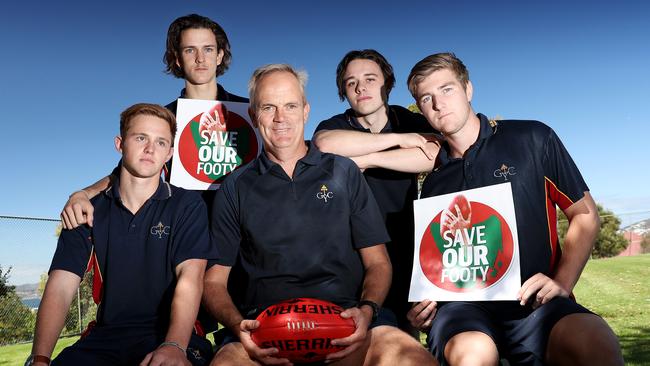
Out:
{"x": 264, "y": 164}
{"x": 163, "y": 192}
{"x": 222, "y": 94}
{"x": 388, "y": 127}
{"x": 486, "y": 130}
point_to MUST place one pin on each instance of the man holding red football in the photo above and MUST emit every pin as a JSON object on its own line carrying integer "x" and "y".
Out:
{"x": 545, "y": 325}
{"x": 300, "y": 223}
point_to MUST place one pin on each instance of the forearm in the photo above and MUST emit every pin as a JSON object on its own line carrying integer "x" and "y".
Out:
{"x": 578, "y": 244}
{"x": 52, "y": 311}
{"x": 354, "y": 143}
{"x": 101, "y": 185}
{"x": 218, "y": 302}
{"x": 185, "y": 304}
{"x": 407, "y": 160}
{"x": 376, "y": 282}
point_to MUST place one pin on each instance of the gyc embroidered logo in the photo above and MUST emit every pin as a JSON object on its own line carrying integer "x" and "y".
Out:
{"x": 505, "y": 171}
{"x": 324, "y": 194}
{"x": 159, "y": 230}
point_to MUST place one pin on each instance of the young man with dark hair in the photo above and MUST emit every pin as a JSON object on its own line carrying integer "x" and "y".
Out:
{"x": 545, "y": 325}
{"x": 376, "y": 136}
{"x": 329, "y": 248}
{"x": 148, "y": 250}
{"x": 198, "y": 51}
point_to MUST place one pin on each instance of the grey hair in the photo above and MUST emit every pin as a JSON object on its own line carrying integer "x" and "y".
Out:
{"x": 265, "y": 70}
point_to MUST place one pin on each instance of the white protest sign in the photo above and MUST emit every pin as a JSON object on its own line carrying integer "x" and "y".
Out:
{"x": 466, "y": 246}
{"x": 212, "y": 139}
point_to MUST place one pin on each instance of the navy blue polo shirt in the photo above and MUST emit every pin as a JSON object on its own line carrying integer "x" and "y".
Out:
{"x": 296, "y": 236}
{"x": 394, "y": 192}
{"x": 530, "y": 156}
{"x": 137, "y": 254}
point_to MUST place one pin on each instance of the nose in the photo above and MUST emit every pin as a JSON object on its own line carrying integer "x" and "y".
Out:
{"x": 149, "y": 147}
{"x": 361, "y": 86}
{"x": 279, "y": 114}
{"x": 435, "y": 104}
{"x": 200, "y": 56}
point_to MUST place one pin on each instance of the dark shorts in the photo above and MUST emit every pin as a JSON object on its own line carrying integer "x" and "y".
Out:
{"x": 520, "y": 333}
{"x": 125, "y": 346}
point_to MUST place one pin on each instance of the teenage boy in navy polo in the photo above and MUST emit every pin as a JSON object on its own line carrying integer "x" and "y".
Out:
{"x": 198, "y": 51}
{"x": 302, "y": 223}
{"x": 546, "y": 325}
{"x": 148, "y": 249}
{"x": 373, "y": 134}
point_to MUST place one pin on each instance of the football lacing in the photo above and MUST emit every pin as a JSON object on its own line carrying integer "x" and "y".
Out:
{"x": 302, "y": 325}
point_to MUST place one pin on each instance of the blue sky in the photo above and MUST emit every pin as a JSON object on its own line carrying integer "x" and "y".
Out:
{"x": 70, "y": 67}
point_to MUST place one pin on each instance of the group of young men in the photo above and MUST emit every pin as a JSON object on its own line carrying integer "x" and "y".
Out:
{"x": 329, "y": 219}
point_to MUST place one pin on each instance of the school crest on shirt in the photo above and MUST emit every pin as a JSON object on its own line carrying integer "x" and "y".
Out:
{"x": 324, "y": 193}
{"x": 159, "y": 230}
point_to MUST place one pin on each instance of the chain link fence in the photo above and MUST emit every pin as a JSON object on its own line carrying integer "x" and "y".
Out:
{"x": 27, "y": 245}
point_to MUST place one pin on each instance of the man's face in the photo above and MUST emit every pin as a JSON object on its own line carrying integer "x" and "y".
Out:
{"x": 146, "y": 146}
{"x": 363, "y": 81}
{"x": 281, "y": 111}
{"x": 444, "y": 102}
{"x": 199, "y": 56}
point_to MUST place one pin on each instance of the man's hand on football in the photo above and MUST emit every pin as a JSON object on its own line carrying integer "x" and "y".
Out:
{"x": 263, "y": 355}
{"x": 362, "y": 318}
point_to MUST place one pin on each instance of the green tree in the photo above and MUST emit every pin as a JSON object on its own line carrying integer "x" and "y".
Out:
{"x": 16, "y": 320}
{"x": 5, "y": 288}
{"x": 609, "y": 241}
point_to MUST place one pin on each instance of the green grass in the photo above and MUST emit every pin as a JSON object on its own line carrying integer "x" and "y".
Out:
{"x": 615, "y": 288}
{"x": 618, "y": 290}
{"x": 16, "y": 354}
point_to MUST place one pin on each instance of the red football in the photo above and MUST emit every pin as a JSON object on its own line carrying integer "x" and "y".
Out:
{"x": 302, "y": 329}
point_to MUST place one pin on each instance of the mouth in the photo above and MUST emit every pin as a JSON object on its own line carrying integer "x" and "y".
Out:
{"x": 363, "y": 98}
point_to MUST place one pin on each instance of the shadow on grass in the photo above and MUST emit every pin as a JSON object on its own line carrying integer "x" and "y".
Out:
{"x": 636, "y": 347}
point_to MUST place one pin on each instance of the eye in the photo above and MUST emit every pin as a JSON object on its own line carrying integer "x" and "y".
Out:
{"x": 188, "y": 51}
{"x": 267, "y": 109}
{"x": 162, "y": 143}
{"x": 351, "y": 83}
{"x": 425, "y": 99}
{"x": 447, "y": 90}
{"x": 139, "y": 138}
{"x": 291, "y": 106}
{"x": 370, "y": 80}
{"x": 209, "y": 49}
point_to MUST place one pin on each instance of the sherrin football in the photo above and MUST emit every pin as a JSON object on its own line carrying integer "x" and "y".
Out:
{"x": 302, "y": 329}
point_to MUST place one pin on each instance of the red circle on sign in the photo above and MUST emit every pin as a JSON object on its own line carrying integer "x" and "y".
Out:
{"x": 432, "y": 249}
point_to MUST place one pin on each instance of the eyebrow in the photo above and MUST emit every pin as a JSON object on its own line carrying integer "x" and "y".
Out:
{"x": 366, "y": 74}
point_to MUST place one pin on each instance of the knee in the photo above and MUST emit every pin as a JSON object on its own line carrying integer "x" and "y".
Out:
{"x": 471, "y": 348}
{"x": 583, "y": 339}
{"x": 391, "y": 346}
{"x": 232, "y": 354}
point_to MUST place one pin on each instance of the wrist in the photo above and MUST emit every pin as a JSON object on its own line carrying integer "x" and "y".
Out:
{"x": 81, "y": 191}
{"x": 373, "y": 308}
{"x": 37, "y": 360}
{"x": 173, "y": 344}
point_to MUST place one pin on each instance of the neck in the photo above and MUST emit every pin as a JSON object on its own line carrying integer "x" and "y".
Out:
{"x": 375, "y": 121}
{"x": 287, "y": 159}
{"x": 460, "y": 141}
{"x": 207, "y": 91}
{"x": 135, "y": 191}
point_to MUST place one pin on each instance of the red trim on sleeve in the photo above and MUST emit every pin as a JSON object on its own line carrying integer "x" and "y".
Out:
{"x": 98, "y": 281}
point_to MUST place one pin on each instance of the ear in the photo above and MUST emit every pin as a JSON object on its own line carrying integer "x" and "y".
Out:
{"x": 251, "y": 114}
{"x": 469, "y": 91}
{"x": 219, "y": 56}
{"x": 118, "y": 144}
{"x": 305, "y": 112}
{"x": 170, "y": 154}
{"x": 177, "y": 62}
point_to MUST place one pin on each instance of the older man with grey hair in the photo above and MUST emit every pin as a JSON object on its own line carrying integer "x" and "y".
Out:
{"x": 270, "y": 223}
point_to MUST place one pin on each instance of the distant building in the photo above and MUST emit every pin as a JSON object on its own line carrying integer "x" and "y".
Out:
{"x": 634, "y": 244}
